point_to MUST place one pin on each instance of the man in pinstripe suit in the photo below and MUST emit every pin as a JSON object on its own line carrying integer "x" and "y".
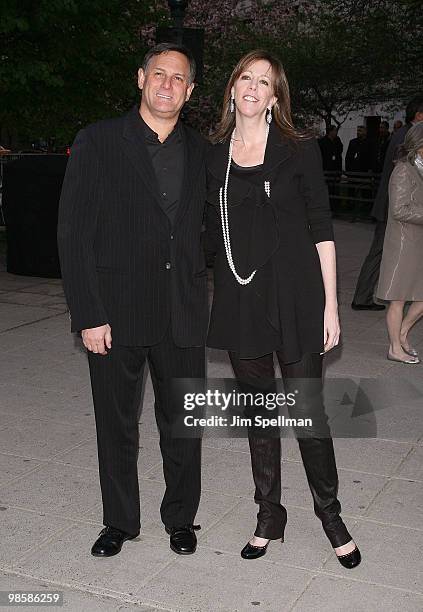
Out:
{"x": 135, "y": 280}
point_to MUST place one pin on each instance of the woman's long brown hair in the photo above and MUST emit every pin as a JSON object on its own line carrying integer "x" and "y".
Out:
{"x": 281, "y": 111}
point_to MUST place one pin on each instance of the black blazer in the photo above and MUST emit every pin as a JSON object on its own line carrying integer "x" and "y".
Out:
{"x": 283, "y": 306}
{"x": 121, "y": 261}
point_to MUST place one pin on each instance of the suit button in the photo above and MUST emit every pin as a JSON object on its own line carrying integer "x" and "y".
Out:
{"x": 168, "y": 265}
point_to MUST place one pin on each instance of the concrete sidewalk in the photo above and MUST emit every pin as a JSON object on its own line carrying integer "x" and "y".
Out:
{"x": 50, "y": 504}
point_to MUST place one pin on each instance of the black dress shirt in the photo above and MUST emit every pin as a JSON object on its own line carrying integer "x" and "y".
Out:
{"x": 253, "y": 174}
{"x": 168, "y": 163}
{"x": 259, "y": 337}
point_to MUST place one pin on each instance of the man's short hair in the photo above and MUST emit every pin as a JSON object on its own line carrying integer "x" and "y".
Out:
{"x": 413, "y": 107}
{"x": 165, "y": 48}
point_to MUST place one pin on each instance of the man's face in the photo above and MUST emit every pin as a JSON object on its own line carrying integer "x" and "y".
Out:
{"x": 361, "y": 133}
{"x": 165, "y": 84}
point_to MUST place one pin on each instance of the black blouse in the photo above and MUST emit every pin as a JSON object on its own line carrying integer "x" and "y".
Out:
{"x": 282, "y": 307}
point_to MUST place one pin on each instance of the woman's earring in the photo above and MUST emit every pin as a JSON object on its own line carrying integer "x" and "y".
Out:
{"x": 232, "y": 106}
{"x": 269, "y": 116}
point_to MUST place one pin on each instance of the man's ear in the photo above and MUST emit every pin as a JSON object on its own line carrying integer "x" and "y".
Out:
{"x": 189, "y": 92}
{"x": 141, "y": 78}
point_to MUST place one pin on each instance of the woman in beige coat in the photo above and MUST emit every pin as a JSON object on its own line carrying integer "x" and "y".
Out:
{"x": 401, "y": 274}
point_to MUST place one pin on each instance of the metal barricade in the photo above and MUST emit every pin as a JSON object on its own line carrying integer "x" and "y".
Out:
{"x": 352, "y": 194}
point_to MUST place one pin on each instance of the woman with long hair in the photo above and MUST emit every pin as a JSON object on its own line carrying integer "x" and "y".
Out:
{"x": 401, "y": 272}
{"x": 269, "y": 226}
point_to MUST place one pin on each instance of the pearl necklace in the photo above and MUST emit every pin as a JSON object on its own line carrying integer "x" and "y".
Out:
{"x": 223, "y": 197}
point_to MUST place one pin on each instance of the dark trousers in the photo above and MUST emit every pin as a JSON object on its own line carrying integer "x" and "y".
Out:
{"x": 117, "y": 382}
{"x": 316, "y": 452}
{"x": 369, "y": 273}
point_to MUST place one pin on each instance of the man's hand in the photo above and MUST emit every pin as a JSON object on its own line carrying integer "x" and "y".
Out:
{"x": 98, "y": 339}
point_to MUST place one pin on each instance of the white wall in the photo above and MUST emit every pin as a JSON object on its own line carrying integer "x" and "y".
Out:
{"x": 348, "y": 129}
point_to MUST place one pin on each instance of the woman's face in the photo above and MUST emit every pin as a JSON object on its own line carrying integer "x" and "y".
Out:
{"x": 253, "y": 90}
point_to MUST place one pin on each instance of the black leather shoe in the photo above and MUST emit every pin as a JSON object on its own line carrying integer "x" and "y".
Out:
{"x": 110, "y": 542}
{"x": 367, "y": 306}
{"x": 351, "y": 559}
{"x": 183, "y": 540}
{"x": 253, "y": 552}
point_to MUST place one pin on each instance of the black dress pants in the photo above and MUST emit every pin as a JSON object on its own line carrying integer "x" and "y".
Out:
{"x": 369, "y": 273}
{"x": 117, "y": 381}
{"x": 304, "y": 376}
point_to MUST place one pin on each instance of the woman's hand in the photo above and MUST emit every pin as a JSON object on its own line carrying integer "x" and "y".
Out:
{"x": 332, "y": 329}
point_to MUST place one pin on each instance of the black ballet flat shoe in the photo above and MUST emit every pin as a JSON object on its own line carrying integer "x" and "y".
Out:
{"x": 110, "y": 542}
{"x": 183, "y": 540}
{"x": 351, "y": 559}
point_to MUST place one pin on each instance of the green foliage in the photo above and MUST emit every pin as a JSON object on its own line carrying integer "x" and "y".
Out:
{"x": 339, "y": 55}
{"x": 350, "y": 55}
{"x": 64, "y": 63}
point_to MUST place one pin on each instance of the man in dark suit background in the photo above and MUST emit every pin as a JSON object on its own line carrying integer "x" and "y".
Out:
{"x": 381, "y": 146}
{"x": 331, "y": 149}
{"x": 357, "y": 158}
{"x": 369, "y": 274}
{"x": 135, "y": 280}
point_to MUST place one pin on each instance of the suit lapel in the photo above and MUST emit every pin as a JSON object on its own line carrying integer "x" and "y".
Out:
{"x": 135, "y": 150}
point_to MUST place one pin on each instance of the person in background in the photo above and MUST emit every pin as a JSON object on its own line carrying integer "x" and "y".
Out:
{"x": 380, "y": 147}
{"x": 398, "y": 124}
{"x": 369, "y": 273}
{"x": 384, "y": 132}
{"x": 357, "y": 158}
{"x": 401, "y": 271}
{"x": 331, "y": 148}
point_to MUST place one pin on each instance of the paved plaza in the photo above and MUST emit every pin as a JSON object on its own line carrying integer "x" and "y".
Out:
{"x": 50, "y": 504}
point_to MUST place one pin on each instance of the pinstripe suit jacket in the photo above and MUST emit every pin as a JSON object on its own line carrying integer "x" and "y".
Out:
{"x": 121, "y": 261}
